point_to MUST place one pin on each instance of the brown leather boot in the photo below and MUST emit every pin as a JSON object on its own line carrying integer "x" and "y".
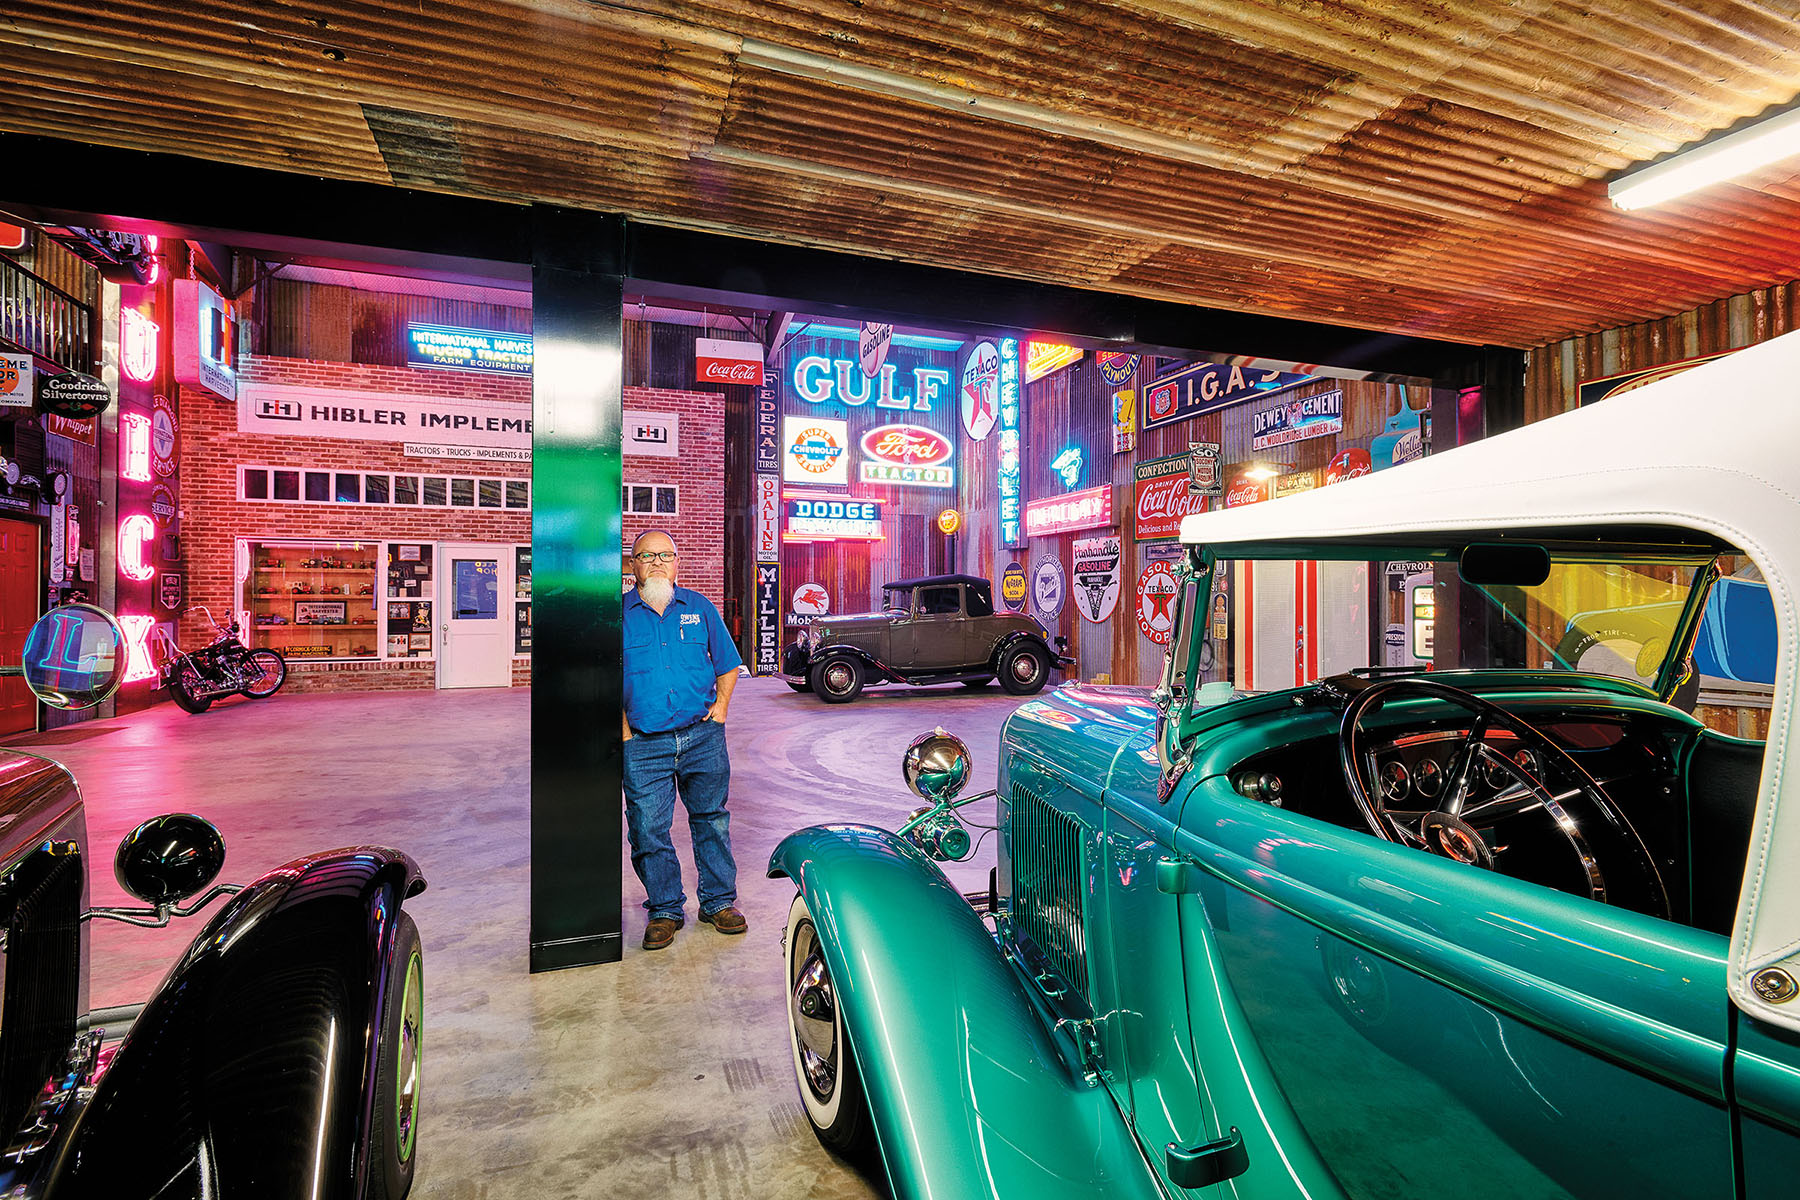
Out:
{"x": 726, "y": 920}
{"x": 660, "y": 932}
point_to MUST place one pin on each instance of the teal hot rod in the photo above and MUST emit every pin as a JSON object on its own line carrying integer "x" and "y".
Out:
{"x": 1506, "y": 926}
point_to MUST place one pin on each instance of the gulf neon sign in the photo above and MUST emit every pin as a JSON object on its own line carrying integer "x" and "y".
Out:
{"x": 818, "y": 379}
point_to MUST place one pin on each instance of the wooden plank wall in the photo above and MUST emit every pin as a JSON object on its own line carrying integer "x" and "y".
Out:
{"x": 1554, "y": 373}
{"x": 1073, "y": 407}
{"x": 295, "y": 319}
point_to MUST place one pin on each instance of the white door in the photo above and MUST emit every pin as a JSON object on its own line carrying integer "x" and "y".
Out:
{"x": 475, "y": 615}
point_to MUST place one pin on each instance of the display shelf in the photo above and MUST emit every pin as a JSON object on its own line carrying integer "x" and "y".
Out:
{"x": 275, "y": 568}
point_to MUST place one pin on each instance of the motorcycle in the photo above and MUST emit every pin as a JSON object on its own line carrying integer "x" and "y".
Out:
{"x": 224, "y": 667}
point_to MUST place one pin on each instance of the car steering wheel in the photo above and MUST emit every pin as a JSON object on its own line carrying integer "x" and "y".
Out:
{"x": 1589, "y": 820}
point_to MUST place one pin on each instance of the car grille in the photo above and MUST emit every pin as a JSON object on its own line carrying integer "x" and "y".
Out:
{"x": 42, "y": 969}
{"x": 1046, "y": 847}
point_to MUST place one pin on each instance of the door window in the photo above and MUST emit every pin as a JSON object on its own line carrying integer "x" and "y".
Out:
{"x": 939, "y": 601}
{"x": 477, "y": 583}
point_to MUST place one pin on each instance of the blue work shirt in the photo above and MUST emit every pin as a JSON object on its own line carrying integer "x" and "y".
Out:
{"x": 673, "y": 661}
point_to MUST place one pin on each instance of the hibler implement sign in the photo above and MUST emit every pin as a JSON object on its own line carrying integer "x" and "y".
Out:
{"x": 451, "y": 349}
{"x": 1297, "y": 419}
{"x": 284, "y": 410}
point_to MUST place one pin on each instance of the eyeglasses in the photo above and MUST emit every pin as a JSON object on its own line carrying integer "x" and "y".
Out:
{"x": 656, "y": 556}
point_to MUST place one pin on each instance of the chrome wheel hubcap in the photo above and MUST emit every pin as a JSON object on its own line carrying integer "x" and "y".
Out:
{"x": 812, "y": 1006}
{"x": 1024, "y": 668}
{"x": 837, "y": 678}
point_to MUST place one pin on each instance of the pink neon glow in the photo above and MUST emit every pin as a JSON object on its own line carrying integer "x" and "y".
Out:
{"x": 137, "y": 647}
{"x": 155, "y": 263}
{"x": 137, "y": 337}
{"x": 134, "y": 436}
{"x": 136, "y": 532}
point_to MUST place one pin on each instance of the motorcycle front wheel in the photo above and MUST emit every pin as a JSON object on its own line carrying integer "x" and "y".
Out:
{"x": 183, "y": 684}
{"x": 268, "y": 671}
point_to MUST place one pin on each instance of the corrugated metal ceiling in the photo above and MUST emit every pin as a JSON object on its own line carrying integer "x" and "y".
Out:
{"x": 1427, "y": 168}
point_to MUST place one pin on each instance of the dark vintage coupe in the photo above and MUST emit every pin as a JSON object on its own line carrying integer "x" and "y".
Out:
{"x": 1508, "y": 923}
{"x": 280, "y": 1055}
{"x": 936, "y": 629}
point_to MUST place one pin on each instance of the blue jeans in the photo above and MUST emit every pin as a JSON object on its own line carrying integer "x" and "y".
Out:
{"x": 694, "y": 761}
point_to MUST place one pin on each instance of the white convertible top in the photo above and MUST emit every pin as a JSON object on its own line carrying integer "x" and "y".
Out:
{"x": 1714, "y": 449}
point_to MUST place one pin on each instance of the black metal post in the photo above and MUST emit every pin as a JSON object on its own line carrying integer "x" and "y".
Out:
{"x": 578, "y": 394}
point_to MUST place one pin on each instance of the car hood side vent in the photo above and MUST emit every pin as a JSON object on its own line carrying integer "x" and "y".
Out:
{"x": 1047, "y": 869}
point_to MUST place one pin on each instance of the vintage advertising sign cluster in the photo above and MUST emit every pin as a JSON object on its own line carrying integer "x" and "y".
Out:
{"x": 1163, "y": 498}
{"x": 1091, "y": 508}
{"x": 1297, "y": 419}
{"x": 1208, "y": 387}
{"x": 1097, "y": 577}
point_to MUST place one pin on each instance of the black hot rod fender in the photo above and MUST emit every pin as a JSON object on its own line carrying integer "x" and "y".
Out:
{"x": 971, "y": 1092}
{"x": 873, "y": 668}
{"x": 252, "y": 1070}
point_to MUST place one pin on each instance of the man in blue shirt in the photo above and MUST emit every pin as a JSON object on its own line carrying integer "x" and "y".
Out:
{"x": 680, "y": 668}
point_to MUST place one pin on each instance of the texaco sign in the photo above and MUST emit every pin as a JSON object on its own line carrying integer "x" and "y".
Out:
{"x": 1156, "y": 602}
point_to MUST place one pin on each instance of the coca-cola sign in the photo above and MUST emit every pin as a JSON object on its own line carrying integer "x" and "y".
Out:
{"x": 1245, "y": 490}
{"x": 1163, "y": 498}
{"x": 907, "y": 445}
{"x": 717, "y": 360}
{"x": 1348, "y": 465}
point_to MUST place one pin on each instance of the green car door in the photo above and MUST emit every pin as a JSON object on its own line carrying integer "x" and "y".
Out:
{"x": 1766, "y": 1085}
{"x": 1389, "y": 1023}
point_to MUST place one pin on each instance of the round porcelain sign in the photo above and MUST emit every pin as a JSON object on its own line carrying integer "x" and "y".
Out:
{"x": 1049, "y": 588}
{"x": 1012, "y": 587}
{"x": 811, "y": 600}
{"x": 981, "y": 390}
{"x": 1156, "y": 602}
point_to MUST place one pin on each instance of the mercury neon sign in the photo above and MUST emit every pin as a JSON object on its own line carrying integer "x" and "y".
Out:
{"x": 137, "y": 647}
{"x": 136, "y": 533}
{"x": 138, "y": 345}
{"x": 818, "y": 379}
{"x": 134, "y": 438}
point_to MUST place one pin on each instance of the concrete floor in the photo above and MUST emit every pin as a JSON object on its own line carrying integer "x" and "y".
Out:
{"x": 665, "y": 1075}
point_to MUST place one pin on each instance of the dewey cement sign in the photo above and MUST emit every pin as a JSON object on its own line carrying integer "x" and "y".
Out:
{"x": 279, "y": 410}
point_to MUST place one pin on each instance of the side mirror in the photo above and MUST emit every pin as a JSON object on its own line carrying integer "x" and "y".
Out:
{"x": 74, "y": 657}
{"x": 169, "y": 858}
{"x": 936, "y": 766}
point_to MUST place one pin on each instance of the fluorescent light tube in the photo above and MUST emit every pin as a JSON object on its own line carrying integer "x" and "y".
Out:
{"x": 1712, "y": 162}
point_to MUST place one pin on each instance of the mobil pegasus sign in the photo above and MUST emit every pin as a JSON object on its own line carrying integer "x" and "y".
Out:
{"x": 1163, "y": 498}
{"x": 907, "y": 456}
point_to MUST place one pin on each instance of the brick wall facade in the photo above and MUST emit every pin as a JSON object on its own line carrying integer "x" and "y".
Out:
{"x": 699, "y": 524}
{"x": 213, "y": 516}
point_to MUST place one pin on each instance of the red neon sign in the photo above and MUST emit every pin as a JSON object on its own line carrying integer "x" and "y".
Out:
{"x": 134, "y": 437}
{"x": 137, "y": 647}
{"x": 136, "y": 532}
{"x": 1087, "y": 509}
{"x": 137, "y": 337}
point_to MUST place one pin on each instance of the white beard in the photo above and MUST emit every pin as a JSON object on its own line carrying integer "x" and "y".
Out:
{"x": 657, "y": 592}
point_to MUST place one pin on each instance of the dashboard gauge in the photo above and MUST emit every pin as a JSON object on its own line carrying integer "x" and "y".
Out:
{"x": 1396, "y": 781}
{"x": 1528, "y": 763}
{"x": 1497, "y": 776}
{"x": 1428, "y": 777}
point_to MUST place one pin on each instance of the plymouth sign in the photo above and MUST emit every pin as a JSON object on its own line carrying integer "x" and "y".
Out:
{"x": 1163, "y": 498}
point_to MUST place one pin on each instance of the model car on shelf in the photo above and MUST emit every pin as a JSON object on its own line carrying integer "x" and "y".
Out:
{"x": 278, "y": 1057}
{"x": 1509, "y": 923}
{"x": 935, "y": 629}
